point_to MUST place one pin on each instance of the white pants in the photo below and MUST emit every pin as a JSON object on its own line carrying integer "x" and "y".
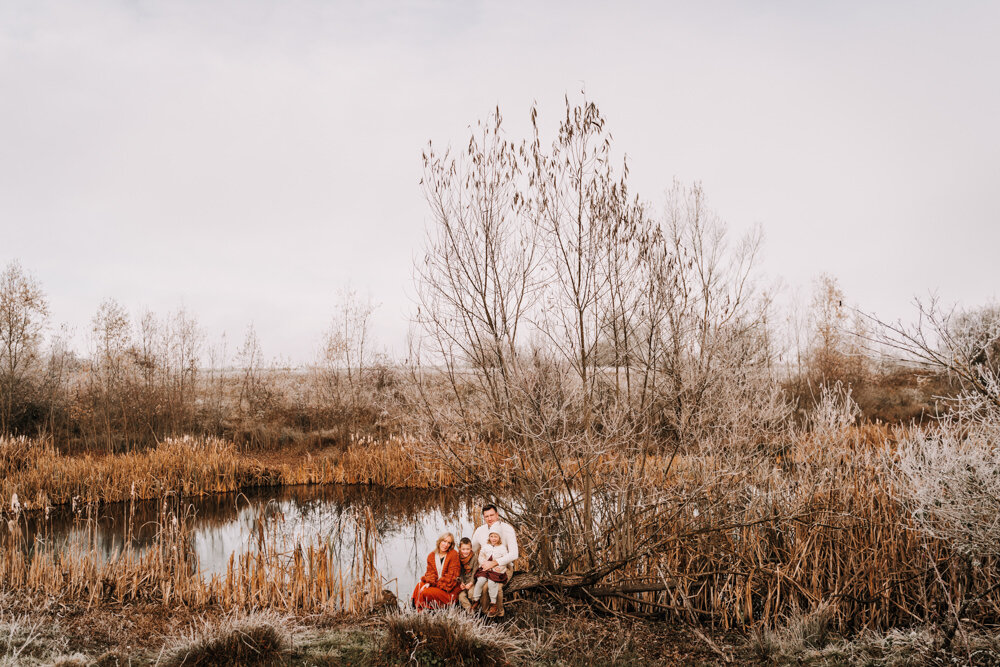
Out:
{"x": 491, "y": 586}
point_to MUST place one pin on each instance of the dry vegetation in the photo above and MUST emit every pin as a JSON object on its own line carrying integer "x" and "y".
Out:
{"x": 255, "y": 639}
{"x": 39, "y": 476}
{"x": 611, "y": 376}
{"x": 273, "y": 574}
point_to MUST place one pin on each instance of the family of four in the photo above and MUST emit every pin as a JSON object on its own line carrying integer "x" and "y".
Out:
{"x": 478, "y": 565}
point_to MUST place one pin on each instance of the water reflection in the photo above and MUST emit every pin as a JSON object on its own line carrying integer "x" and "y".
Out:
{"x": 407, "y": 523}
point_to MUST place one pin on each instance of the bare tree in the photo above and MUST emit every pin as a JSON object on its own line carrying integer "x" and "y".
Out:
{"x": 345, "y": 356}
{"x": 975, "y": 336}
{"x": 836, "y": 351}
{"x": 569, "y": 337}
{"x": 828, "y": 320}
{"x": 23, "y": 314}
{"x": 61, "y": 366}
{"x": 183, "y": 340}
{"x": 256, "y": 396}
{"x": 476, "y": 282}
{"x": 716, "y": 382}
{"x": 945, "y": 339}
{"x": 215, "y": 407}
{"x": 344, "y": 388}
{"x": 165, "y": 357}
{"x": 110, "y": 378}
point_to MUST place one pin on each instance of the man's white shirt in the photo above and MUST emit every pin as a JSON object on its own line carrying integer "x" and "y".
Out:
{"x": 482, "y": 534}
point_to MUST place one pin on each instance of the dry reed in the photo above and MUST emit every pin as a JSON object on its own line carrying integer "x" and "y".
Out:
{"x": 42, "y": 477}
{"x": 819, "y": 523}
{"x": 274, "y": 574}
{"x": 823, "y": 526}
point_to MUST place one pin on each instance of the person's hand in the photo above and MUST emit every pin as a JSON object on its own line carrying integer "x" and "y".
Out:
{"x": 489, "y": 565}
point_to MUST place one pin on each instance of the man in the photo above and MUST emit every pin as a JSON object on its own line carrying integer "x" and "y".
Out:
{"x": 509, "y": 537}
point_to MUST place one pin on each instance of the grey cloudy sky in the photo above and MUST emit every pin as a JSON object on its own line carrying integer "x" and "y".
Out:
{"x": 248, "y": 159}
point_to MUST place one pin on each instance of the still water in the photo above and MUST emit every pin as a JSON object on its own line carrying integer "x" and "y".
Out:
{"x": 406, "y": 522}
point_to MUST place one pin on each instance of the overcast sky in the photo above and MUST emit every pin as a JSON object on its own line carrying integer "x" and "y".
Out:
{"x": 248, "y": 159}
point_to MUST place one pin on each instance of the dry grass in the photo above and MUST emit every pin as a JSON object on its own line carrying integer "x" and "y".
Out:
{"x": 252, "y": 639}
{"x": 75, "y": 660}
{"x": 822, "y": 526}
{"x": 448, "y": 636}
{"x": 794, "y": 642}
{"x": 819, "y": 523}
{"x": 388, "y": 462}
{"x": 798, "y": 634}
{"x": 26, "y": 640}
{"x": 41, "y": 477}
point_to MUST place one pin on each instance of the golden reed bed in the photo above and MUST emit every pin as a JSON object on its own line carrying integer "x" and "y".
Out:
{"x": 39, "y": 476}
{"x": 819, "y": 522}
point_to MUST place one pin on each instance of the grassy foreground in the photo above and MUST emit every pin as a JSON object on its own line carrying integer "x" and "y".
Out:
{"x": 41, "y": 631}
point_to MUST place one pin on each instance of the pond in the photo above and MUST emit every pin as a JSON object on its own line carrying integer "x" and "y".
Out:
{"x": 406, "y": 522}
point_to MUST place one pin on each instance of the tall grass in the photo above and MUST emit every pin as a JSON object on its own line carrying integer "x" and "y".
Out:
{"x": 820, "y": 521}
{"x": 822, "y": 525}
{"x": 276, "y": 573}
{"x": 40, "y": 476}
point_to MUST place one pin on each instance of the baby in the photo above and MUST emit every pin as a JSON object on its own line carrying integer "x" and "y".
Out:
{"x": 493, "y": 550}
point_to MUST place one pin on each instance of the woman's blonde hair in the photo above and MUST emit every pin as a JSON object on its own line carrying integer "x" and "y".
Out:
{"x": 437, "y": 545}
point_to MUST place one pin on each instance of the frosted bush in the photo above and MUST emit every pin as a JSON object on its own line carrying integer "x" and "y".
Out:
{"x": 950, "y": 478}
{"x": 834, "y": 411}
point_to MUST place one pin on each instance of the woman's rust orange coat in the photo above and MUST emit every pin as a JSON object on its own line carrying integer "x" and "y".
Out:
{"x": 448, "y": 581}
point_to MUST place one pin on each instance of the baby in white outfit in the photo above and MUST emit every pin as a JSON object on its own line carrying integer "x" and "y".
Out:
{"x": 493, "y": 550}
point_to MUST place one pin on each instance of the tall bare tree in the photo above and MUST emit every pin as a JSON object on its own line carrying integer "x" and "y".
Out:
{"x": 256, "y": 396}
{"x": 345, "y": 361}
{"x": 111, "y": 374}
{"x": 23, "y": 314}
{"x": 716, "y": 381}
{"x": 566, "y": 329}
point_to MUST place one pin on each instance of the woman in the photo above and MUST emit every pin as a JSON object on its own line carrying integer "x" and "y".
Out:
{"x": 439, "y": 585}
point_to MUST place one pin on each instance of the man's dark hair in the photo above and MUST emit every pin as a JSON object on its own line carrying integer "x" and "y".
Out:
{"x": 487, "y": 508}
{"x": 465, "y": 540}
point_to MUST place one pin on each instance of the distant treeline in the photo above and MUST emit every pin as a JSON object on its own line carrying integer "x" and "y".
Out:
{"x": 145, "y": 378}
{"x": 148, "y": 377}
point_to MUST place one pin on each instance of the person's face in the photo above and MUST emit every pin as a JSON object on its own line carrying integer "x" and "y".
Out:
{"x": 490, "y": 516}
{"x": 465, "y": 550}
{"x": 445, "y": 545}
{"x": 494, "y": 539}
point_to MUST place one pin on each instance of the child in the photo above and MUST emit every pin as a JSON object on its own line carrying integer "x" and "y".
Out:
{"x": 466, "y": 578}
{"x": 493, "y": 550}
